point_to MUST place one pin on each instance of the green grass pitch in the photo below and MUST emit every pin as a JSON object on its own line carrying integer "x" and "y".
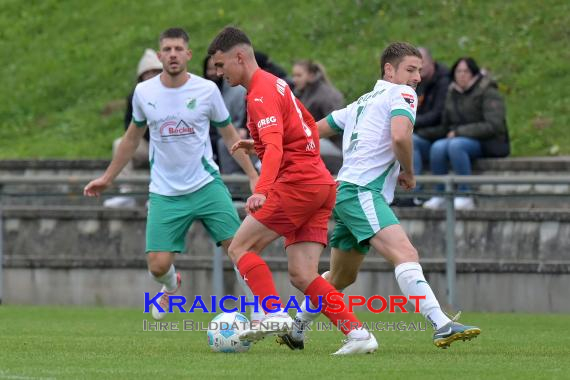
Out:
{"x": 103, "y": 343}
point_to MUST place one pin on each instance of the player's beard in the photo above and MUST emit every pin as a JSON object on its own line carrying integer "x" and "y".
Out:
{"x": 174, "y": 72}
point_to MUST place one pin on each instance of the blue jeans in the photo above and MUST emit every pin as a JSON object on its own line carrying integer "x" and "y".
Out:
{"x": 459, "y": 151}
{"x": 421, "y": 153}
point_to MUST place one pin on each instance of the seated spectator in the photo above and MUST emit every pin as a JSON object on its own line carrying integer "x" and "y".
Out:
{"x": 314, "y": 89}
{"x": 475, "y": 124}
{"x": 234, "y": 99}
{"x": 148, "y": 67}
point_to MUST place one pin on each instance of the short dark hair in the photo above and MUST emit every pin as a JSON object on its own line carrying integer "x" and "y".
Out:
{"x": 471, "y": 65}
{"x": 228, "y": 38}
{"x": 174, "y": 33}
{"x": 395, "y": 53}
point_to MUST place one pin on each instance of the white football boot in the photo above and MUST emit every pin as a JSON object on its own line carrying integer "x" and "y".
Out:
{"x": 353, "y": 345}
{"x": 164, "y": 300}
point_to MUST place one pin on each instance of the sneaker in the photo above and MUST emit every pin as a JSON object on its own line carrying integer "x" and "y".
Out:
{"x": 453, "y": 331}
{"x": 120, "y": 202}
{"x": 295, "y": 340}
{"x": 164, "y": 300}
{"x": 434, "y": 203}
{"x": 353, "y": 346}
{"x": 463, "y": 203}
{"x": 290, "y": 342}
{"x": 272, "y": 324}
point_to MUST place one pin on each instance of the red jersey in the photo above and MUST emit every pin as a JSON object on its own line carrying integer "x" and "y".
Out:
{"x": 285, "y": 135}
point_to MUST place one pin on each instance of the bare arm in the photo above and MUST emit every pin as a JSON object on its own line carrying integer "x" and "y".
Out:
{"x": 401, "y": 130}
{"x": 124, "y": 153}
{"x": 325, "y": 130}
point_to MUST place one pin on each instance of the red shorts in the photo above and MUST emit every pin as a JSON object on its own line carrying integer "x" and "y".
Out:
{"x": 298, "y": 212}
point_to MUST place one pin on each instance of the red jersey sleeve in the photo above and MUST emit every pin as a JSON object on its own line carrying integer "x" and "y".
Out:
{"x": 265, "y": 115}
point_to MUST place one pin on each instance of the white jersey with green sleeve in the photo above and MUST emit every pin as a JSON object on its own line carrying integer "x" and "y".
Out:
{"x": 368, "y": 158}
{"x": 179, "y": 119}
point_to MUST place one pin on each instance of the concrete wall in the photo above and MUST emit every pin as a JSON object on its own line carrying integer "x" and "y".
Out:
{"x": 108, "y": 238}
{"x": 494, "y": 292}
{"x": 507, "y": 260}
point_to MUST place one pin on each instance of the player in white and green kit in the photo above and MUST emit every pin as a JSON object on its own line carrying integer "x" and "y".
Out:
{"x": 185, "y": 185}
{"x": 377, "y": 154}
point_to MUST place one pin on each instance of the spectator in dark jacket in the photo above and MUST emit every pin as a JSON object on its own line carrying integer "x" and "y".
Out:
{"x": 431, "y": 100}
{"x": 474, "y": 119}
{"x": 314, "y": 89}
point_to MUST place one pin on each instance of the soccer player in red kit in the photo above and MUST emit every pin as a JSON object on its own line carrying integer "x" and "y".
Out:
{"x": 293, "y": 198}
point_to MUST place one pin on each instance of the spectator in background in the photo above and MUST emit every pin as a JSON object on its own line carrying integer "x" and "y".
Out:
{"x": 431, "y": 100}
{"x": 431, "y": 92}
{"x": 314, "y": 89}
{"x": 234, "y": 99}
{"x": 265, "y": 63}
{"x": 474, "y": 120}
{"x": 148, "y": 67}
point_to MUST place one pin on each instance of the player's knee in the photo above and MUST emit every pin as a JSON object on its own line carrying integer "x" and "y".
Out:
{"x": 158, "y": 269}
{"x": 158, "y": 263}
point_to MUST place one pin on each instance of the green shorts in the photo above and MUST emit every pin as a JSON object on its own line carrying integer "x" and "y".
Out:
{"x": 359, "y": 213}
{"x": 170, "y": 217}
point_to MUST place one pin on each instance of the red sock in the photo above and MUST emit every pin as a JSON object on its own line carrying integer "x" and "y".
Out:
{"x": 257, "y": 276}
{"x": 345, "y": 320}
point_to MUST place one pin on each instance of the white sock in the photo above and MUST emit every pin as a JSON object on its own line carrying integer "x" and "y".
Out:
{"x": 168, "y": 279}
{"x": 302, "y": 319}
{"x": 306, "y": 316}
{"x": 256, "y": 315}
{"x": 412, "y": 282}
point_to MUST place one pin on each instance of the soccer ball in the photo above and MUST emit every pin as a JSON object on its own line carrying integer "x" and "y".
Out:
{"x": 224, "y": 330}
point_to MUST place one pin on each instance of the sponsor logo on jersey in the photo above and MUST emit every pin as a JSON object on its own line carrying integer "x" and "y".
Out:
{"x": 260, "y": 99}
{"x": 191, "y": 103}
{"x": 310, "y": 145}
{"x": 266, "y": 122}
{"x": 281, "y": 84}
{"x": 171, "y": 130}
{"x": 153, "y": 105}
{"x": 409, "y": 99}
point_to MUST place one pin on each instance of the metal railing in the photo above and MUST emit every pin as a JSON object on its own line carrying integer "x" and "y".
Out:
{"x": 450, "y": 181}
